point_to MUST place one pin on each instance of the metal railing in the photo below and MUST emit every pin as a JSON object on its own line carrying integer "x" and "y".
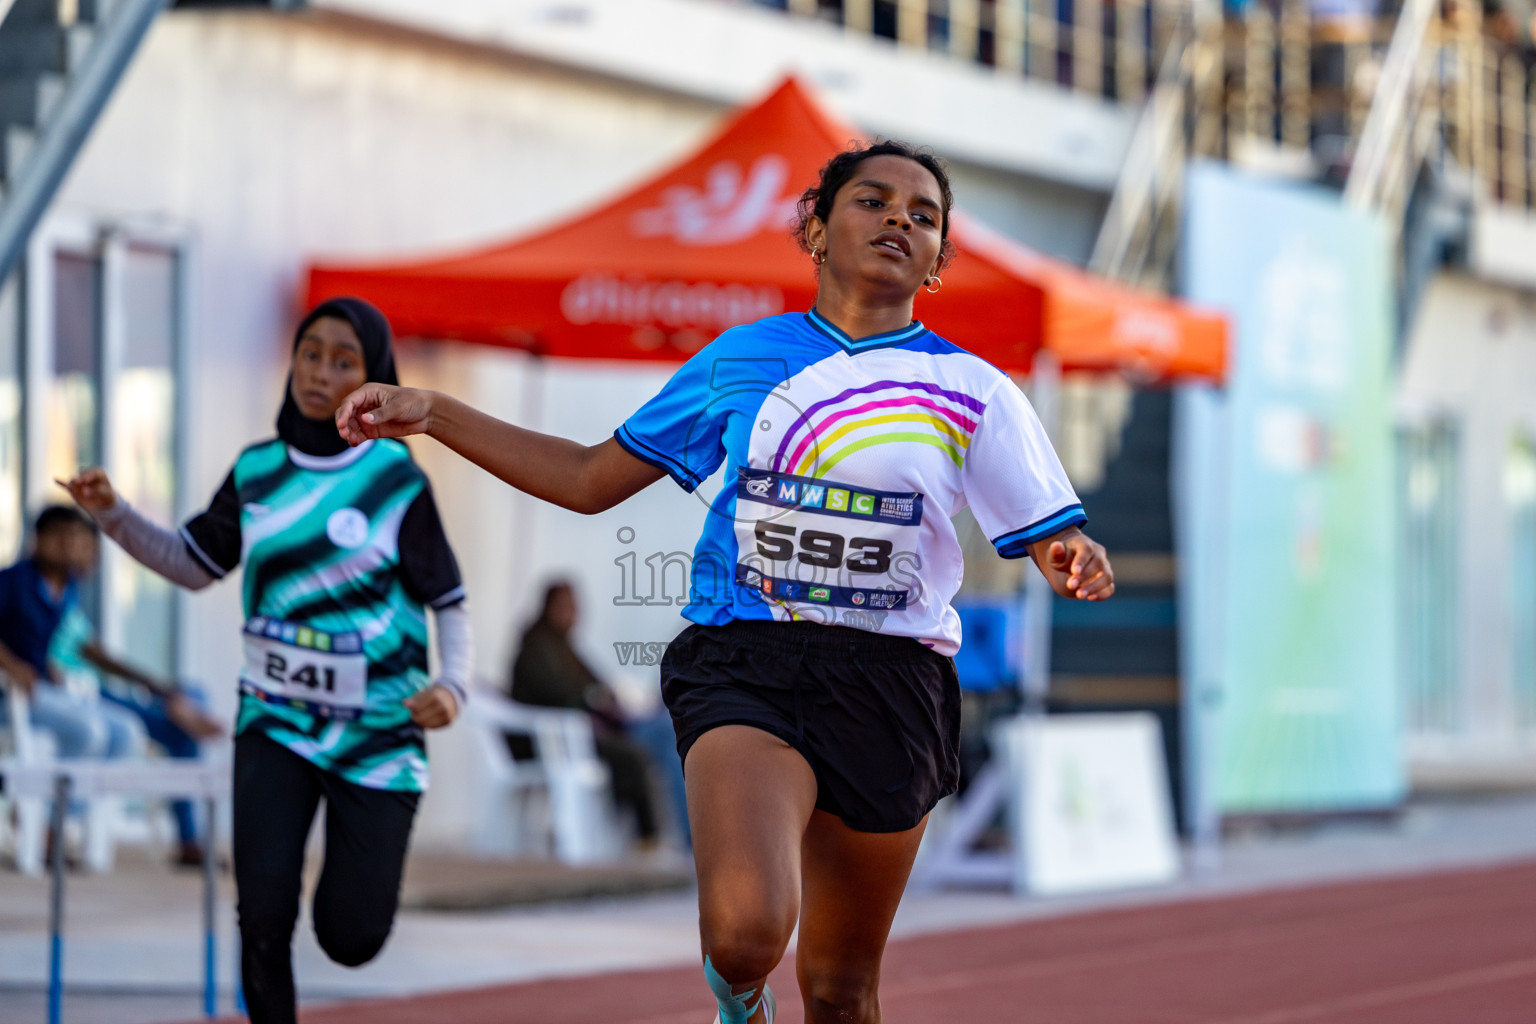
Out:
{"x": 1104, "y": 47}
{"x": 1136, "y": 239}
{"x": 1386, "y": 140}
{"x": 1431, "y": 85}
{"x": 1363, "y": 100}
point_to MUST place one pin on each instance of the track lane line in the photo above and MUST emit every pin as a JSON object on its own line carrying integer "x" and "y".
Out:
{"x": 1424, "y": 911}
{"x": 1454, "y": 982}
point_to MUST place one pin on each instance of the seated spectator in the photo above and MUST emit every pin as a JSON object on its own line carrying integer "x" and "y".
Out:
{"x": 35, "y": 595}
{"x": 39, "y": 595}
{"x": 171, "y": 714}
{"x": 548, "y": 672}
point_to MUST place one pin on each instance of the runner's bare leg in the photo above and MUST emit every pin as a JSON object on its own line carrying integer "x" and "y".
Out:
{"x": 853, "y": 884}
{"x": 750, "y": 797}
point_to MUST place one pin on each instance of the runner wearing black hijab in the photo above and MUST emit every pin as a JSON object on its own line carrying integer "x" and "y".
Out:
{"x": 344, "y": 552}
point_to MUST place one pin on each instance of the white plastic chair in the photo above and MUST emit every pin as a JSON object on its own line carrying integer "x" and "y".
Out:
{"x": 564, "y": 775}
{"x": 20, "y": 741}
{"x": 102, "y": 818}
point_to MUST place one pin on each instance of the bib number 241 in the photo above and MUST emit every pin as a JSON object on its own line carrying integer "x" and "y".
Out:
{"x": 308, "y": 676}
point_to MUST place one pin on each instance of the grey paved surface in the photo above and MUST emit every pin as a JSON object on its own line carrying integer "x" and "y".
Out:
{"x": 134, "y": 947}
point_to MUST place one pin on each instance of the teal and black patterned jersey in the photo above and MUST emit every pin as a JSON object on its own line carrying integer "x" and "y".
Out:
{"x": 342, "y": 555}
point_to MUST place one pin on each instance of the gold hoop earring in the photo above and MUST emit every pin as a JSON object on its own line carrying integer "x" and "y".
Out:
{"x": 814, "y": 253}
{"x": 937, "y": 284}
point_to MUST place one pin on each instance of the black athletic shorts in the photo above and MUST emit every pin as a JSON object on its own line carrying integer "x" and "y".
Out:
{"x": 876, "y": 717}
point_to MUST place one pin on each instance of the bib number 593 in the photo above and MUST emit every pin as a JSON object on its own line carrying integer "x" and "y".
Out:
{"x": 307, "y": 676}
{"x": 823, "y": 549}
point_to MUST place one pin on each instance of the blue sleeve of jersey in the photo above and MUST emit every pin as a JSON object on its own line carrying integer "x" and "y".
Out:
{"x": 1016, "y": 544}
{"x": 682, "y": 429}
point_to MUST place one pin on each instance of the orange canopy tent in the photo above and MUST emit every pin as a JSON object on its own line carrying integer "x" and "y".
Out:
{"x": 705, "y": 245}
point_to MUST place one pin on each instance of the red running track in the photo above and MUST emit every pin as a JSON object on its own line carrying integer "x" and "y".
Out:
{"x": 1455, "y": 948}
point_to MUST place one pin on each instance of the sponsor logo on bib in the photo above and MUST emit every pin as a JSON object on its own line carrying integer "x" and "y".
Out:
{"x": 827, "y": 497}
{"x": 347, "y": 528}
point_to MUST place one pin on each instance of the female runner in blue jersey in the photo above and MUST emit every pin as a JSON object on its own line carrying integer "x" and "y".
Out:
{"x": 816, "y": 707}
{"x": 343, "y": 552}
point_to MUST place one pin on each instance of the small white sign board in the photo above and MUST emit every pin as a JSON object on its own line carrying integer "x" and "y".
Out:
{"x": 1089, "y": 806}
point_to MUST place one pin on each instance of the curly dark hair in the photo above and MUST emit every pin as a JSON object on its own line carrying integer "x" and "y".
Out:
{"x": 816, "y": 201}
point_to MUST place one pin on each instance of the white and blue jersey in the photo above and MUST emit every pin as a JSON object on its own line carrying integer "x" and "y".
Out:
{"x": 845, "y": 461}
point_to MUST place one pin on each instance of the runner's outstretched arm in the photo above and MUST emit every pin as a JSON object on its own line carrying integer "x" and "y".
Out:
{"x": 153, "y": 546}
{"x": 582, "y": 478}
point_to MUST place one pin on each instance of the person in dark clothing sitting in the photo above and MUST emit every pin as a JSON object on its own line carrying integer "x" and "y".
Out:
{"x": 548, "y": 672}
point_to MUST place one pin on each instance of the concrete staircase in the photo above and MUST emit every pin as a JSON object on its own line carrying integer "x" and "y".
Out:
{"x": 60, "y": 60}
{"x": 1123, "y": 655}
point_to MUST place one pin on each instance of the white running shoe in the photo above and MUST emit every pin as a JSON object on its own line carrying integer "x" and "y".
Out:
{"x": 770, "y": 1007}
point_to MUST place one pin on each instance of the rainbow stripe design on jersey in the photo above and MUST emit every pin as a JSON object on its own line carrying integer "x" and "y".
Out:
{"x": 884, "y": 412}
{"x": 845, "y": 460}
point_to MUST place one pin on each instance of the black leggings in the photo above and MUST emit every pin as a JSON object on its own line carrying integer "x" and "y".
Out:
{"x": 366, "y": 833}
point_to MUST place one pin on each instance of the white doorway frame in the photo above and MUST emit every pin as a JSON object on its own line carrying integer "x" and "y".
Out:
{"x": 108, "y": 241}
